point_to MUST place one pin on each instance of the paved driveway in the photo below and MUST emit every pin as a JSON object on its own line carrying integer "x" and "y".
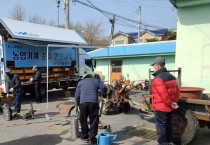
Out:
{"x": 43, "y": 131}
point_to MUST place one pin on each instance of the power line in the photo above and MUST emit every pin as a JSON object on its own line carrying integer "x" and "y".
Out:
{"x": 127, "y": 25}
{"x": 120, "y": 4}
{"x": 116, "y": 15}
{"x": 123, "y": 23}
{"x": 149, "y": 5}
{"x": 134, "y": 21}
{"x": 97, "y": 9}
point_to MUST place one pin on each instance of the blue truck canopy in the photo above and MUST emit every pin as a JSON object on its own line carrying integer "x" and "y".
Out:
{"x": 31, "y": 31}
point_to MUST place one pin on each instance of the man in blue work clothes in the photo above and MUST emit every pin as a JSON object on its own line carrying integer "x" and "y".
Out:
{"x": 13, "y": 85}
{"x": 37, "y": 79}
{"x": 87, "y": 97}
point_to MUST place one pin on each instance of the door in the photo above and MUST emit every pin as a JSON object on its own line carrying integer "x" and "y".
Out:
{"x": 116, "y": 70}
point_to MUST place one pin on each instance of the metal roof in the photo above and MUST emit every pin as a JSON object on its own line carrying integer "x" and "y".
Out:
{"x": 32, "y": 31}
{"x": 164, "y": 47}
{"x": 135, "y": 34}
{"x": 158, "y": 32}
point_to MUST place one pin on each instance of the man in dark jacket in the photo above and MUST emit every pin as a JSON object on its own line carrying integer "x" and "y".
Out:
{"x": 86, "y": 96}
{"x": 165, "y": 95}
{"x": 13, "y": 85}
{"x": 37, "y": 79}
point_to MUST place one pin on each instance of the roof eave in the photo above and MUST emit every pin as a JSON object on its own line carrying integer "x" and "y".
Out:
{"x": 129, "y": 56}
{"x": 187, "y": 3}
{"x": 4, "y": 22}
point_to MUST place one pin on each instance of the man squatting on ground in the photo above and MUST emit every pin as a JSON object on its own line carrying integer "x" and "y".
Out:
{"x": 165, "y": 95}
{"x": 13, "y": 85}
{"x": 86, "y": 96}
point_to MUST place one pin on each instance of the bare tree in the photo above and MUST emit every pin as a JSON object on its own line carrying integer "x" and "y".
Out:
{"x": 104, "y": 41}
{"x": 79, "y": 28}
{"x": 92, "y": 32}
{"x": 37, "y": 19}
{"x": 52, "y": 23}
{"x": 18, "y": 13}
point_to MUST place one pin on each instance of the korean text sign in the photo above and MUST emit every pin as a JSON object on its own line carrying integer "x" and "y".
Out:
{"x": 27, "y": 55}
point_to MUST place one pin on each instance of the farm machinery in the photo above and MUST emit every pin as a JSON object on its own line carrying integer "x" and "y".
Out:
{"x": 118, "y": 95}
{"x": 193, "y": 112}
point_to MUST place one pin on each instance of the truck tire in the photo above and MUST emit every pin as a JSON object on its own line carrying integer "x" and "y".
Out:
{"x": 185, "y": 126}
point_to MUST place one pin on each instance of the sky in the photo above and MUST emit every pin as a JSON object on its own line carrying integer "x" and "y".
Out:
{"x": 159, "y": 13}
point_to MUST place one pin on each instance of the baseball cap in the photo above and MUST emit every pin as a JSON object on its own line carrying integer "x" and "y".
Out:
{"x": 158, "y": 60}
{"x": 34, "y": 67}
{"x": 7, "y": 70}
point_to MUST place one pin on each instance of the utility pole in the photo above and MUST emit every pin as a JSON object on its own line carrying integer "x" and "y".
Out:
{"x": 139, "y": 23}
{"x": 58, "y": 5}
{"x": 66, "y": 9}
{"x": 112, "y": 29}
{"x": 112, "y": 21}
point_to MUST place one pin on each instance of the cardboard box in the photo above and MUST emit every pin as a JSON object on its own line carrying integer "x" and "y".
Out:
{"x": 7, "y": 100}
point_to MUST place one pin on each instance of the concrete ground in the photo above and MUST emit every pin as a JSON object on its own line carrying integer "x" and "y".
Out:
{"x": 53, "y": 131}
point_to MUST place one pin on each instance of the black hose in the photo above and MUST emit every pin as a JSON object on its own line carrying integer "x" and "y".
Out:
{"x": 70, "y": 110}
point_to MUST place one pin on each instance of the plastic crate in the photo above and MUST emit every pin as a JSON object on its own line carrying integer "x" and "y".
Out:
{"x": 22, "y": 77}
{"x": 67, "y": 69}
{"x": 18, "y": 71}
{"x": 56, "y": 75}
{"x": 28, "y": 77}
{"x": 27, "y": 70}
{"x": 56, "y": 69}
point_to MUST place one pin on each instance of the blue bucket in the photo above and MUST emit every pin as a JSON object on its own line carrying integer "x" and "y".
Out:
{"x": 105, "y": 138}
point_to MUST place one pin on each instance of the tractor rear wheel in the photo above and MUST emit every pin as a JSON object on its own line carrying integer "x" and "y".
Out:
{"x": 185, "y": 126}
{"x": 124, "y": 107}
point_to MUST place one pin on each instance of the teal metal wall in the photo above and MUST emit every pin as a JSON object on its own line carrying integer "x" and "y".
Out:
{"x": 136, "y": 67}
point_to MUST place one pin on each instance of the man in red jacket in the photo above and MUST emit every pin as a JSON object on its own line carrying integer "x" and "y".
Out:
{"x": 165, "y": 95}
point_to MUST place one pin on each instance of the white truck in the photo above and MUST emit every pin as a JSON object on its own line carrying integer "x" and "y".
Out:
{"x": 57, "y": 52}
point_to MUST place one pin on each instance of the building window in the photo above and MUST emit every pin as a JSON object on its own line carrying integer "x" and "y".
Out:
{"x": 141, "y": 40}
{"x": 116, "y": 66}
{"x": 119, "y": 42}
{"x": 136, "y": 40}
